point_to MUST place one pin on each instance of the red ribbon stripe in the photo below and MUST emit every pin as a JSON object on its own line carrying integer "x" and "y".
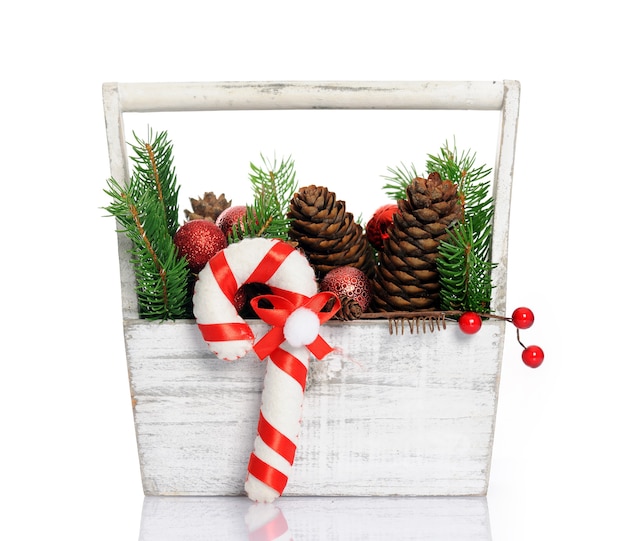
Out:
{"x": 267, "y": 474}
{"x": 225, "y": 332}
{"x": 224, "y": 276}
{"x": 276, "y": 440}
{"x": 270, "y": 263}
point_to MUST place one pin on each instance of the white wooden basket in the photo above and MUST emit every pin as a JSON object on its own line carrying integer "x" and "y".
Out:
{"x": 407, "y": 414}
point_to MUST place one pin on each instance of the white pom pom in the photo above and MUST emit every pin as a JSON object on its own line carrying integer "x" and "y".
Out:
{"x": 301, "y": 327}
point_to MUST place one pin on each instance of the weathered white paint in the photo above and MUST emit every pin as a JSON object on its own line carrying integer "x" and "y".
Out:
{"x": 385, "y": 415}
{"x": 411, "y": 414}
{"x": 148, "y": 97}
{"x": 358, "y": 519}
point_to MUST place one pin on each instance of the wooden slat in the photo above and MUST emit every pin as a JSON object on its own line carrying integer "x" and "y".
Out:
{"x": 154, "y": 97}
{"x": 384, "y": 415}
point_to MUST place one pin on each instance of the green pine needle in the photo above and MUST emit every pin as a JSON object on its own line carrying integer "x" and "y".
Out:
{"x": 459, "y": 169}
{"x": 398, "y": 180}
{"x": 465, "y": 275}
{"x": 273, "y": 185}
{"x": 464, "y": 261}
{"x": 154, "y": 167}
{"x": 147, "y": 212}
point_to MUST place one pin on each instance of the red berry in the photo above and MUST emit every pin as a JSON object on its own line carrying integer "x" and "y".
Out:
{"x": 523, "y": 317}
{"x": 532, "y": 356}
{"x": 470, "y": 323}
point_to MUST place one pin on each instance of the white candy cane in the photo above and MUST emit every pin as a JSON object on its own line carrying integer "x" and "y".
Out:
{"x": 295, "y": 318}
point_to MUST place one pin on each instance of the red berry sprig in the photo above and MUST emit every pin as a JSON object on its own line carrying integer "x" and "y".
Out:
{"x": 522, "y": 318}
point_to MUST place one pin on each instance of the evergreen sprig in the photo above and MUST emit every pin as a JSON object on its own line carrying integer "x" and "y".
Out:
{"x": 398, "y": 180}
{"x": 464, "y": 261}
{"x": 459, "y": 169}
{"x": 154, "y": 168}
{"x": 146, "y": 210}
{"x": 273, "y": 186}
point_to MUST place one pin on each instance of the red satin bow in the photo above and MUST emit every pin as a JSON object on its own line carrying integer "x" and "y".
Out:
{"x": 282, "y": 306}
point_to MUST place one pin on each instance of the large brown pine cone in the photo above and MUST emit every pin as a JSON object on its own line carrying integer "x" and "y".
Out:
{"x": 407, "y": 278}
{"x": 327, "y": 233}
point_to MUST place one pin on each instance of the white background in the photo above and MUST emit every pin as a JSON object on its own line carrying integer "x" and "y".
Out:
{"x": 68, "y": 463}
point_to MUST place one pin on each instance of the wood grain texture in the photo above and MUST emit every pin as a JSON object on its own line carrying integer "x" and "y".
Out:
{"x": 386, "y": 415}
{"x": 275, "y": 95}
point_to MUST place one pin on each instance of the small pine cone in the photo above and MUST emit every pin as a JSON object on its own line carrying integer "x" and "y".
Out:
{"x": 407, "y": 278}
{"x": 327, "y": 233}
{"x": 208, "y": 207}
{"x": 350, "y": 310}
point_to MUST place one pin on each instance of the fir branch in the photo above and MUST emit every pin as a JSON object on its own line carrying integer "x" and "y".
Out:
{"x": 464, "y": 261}
{"x": 398, "y": 180}
{"x": 153, "y": 164}
{"x": 273, "y": 186}
{"x": 143, "y": 209}
{"x": 465, "y": 274}
{"x": 459, "y": 169}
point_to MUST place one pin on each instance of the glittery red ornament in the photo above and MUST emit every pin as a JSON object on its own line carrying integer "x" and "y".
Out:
{"x": 376, "y": 228}
{"x": 348, "y": 282}
{"x": 229, "y": 217}
{"x": 198, "y": 241}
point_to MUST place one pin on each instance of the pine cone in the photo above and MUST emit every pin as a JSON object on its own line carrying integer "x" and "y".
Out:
{"x": 407, "y": 277}
{"x": 208, "y": 207}
{"x": 328, "y": 234}
{"x": 350, "y": 310}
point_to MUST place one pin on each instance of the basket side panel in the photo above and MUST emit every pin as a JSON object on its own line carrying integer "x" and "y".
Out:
{"x": 383, "y": 415}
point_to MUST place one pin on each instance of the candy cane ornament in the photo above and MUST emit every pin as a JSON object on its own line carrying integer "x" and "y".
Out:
{"x": 294, "y": 310}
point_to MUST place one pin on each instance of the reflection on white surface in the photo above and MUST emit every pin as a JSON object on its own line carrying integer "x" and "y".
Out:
{"x": 303, "y": 518}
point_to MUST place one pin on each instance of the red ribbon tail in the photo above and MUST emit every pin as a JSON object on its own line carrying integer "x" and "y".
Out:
{"x": 272, "y": 340}
{"x": 319, "y": 348}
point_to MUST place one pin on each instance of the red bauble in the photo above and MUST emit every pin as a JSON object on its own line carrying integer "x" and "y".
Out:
{"x": 229, "y": 217}
{"x": 532, "y": 356}
{"x": 522, "y": 317}
{"x": 240, "y": 299}
{"x": 348, "y": 282}
{"x": 470, "y": 323}
{"x": 376, "y": 228}
{"x": 245, "y": 294}
{"x": 198, "y": 241}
